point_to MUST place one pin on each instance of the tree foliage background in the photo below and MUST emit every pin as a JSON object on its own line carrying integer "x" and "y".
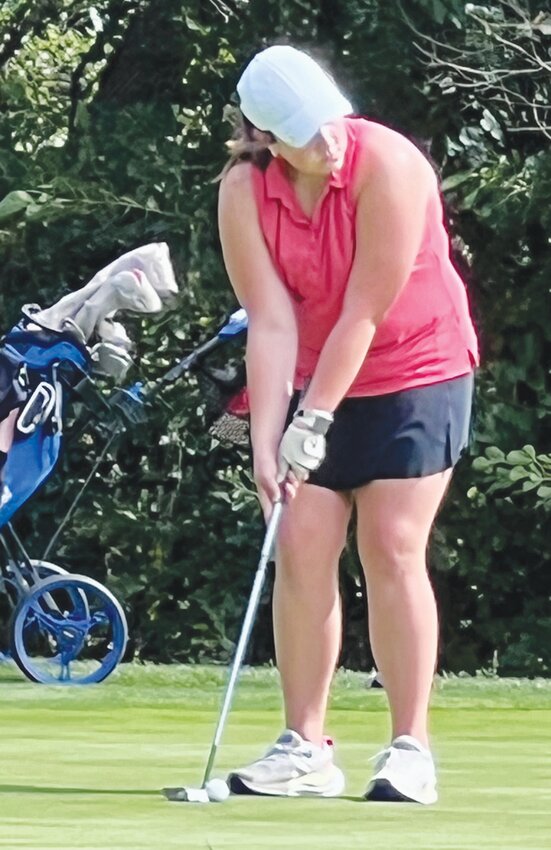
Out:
{"x": 113, "y": 118}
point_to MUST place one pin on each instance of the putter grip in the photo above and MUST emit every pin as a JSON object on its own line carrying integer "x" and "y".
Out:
{"x": 271, "y": 532}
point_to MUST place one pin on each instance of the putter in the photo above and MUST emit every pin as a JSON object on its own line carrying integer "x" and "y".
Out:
{"x": 188, "y": 794}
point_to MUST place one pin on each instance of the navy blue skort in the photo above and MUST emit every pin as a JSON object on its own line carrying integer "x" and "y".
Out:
{"x": 406, "y": 434}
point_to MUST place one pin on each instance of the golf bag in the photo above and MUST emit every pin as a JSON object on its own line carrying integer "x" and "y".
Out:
{"x": 60, "y": 627}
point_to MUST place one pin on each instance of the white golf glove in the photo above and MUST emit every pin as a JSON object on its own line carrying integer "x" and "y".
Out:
{"x": 302, "y": 448}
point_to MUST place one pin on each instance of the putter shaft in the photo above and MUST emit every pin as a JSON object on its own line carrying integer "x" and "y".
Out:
{"x": 248, "y": 622}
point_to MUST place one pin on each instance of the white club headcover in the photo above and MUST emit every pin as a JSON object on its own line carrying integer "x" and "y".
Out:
{"x": 136, "y": 281}
{"x": 153, "y": 260}
{"x": 111, "y": 331}
{"x": 126, "y": 290}
{"x": 111, "y": 360}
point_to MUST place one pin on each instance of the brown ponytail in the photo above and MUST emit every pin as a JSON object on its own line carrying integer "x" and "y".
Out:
{"x": 248, "y": 144}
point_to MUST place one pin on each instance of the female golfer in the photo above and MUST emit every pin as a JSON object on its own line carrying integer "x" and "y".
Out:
{"x": 360, "y": 360}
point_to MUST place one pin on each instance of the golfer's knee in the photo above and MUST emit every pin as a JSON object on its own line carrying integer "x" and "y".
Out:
{"x": 394, "y": 550}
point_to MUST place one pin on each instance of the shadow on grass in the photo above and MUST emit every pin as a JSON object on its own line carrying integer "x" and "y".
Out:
{"x": 49, "y": 789}
{"x": 122, "y": 792}
{"x": 347, "y": 798}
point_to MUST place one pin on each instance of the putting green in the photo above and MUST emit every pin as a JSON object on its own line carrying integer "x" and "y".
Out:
{"x": 82, "y": 768}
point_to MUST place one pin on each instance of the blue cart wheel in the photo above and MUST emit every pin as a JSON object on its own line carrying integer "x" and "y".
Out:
{"x": 46, "y": 569}
{"x": 11, "y": 592}
{"x": 68, "y": 630}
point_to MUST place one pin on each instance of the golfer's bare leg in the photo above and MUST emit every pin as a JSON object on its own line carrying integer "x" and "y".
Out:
{"x": 394, "y": 521}
{"x": 307, "y": 610}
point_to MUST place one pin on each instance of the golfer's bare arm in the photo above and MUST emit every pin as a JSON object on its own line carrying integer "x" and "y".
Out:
{"x": 272, "y": 332}
{"x": 394, "y": 188}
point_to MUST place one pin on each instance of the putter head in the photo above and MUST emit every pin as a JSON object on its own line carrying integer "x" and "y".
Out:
{"x": 186, "y": 795}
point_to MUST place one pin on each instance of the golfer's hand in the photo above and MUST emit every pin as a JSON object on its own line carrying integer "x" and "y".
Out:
{"x": 302, "y": 449}
{"x": 270, "y": 489}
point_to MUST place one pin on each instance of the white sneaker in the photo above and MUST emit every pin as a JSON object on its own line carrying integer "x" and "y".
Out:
{"x": 404, "y": 773}
{"x": 293, "y": 767}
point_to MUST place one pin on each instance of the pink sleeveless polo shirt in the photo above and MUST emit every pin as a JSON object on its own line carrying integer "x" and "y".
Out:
{"x": 427, "y": 335}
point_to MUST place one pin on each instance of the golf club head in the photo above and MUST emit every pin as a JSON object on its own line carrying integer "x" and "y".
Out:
{"x": 186, "y": 795}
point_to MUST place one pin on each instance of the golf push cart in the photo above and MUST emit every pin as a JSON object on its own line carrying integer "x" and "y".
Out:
{"x": 61, "y": 627}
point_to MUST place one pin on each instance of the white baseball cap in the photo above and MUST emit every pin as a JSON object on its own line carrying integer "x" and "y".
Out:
{"x": 286, "y": 92}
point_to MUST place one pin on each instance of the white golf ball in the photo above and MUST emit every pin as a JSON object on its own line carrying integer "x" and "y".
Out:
{"x": 217, "y": 790}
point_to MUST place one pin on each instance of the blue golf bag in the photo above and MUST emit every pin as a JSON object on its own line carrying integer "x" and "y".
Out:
{"x": 62, "y": 627}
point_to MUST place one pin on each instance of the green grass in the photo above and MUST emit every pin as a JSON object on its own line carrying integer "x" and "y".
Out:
{"x": 82, "y": 768}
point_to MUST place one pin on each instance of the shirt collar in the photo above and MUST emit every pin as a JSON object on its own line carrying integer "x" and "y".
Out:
{"x": 278, "y": 185}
